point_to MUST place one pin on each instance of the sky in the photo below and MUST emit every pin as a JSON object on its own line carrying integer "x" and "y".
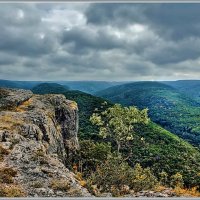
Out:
{"x": 96, "y": 41}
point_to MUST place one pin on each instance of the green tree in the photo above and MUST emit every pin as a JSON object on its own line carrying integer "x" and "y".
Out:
{"x": 90, "y": 155}
{"x": 117, "y": 123}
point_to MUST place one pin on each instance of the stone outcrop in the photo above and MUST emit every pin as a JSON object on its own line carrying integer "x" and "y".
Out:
{"x": 40, "y": 134}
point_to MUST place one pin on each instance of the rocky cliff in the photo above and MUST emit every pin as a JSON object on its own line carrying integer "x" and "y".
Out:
{"x": 38, "y": 133}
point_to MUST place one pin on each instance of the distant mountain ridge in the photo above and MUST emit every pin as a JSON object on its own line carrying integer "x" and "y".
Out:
{"x": 49, "y": 88}
{"x": 84, "y": 86}
{"x": 188, "y": 87}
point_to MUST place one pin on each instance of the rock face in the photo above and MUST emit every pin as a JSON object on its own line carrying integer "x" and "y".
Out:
{"x": 40, "y": 134}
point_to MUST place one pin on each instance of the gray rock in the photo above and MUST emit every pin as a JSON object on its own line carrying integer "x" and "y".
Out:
{"x": 41, "y": 133}
{"x": 10, "y": 98}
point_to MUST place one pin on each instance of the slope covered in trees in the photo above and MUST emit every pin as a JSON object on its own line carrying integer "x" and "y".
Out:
{"x": 167, "y": 106}
{"x": 187, "y": 87}
{"x": 142, "y": 142}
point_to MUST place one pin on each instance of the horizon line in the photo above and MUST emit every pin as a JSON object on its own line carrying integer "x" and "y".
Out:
{"x": 98, "y": 80}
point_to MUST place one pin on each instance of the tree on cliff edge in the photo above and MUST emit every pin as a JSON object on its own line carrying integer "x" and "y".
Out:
{"x": 117, "y": 123}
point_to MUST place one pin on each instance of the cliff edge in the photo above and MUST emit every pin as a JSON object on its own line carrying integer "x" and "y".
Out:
{"x": 38, "y": 133}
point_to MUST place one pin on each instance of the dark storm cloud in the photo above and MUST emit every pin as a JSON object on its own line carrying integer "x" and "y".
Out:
{"x": 82, "y": 41}
{"x": 173, "y": 52}
{"x": 84, "y": 38}
{"x": 21, "y": 30}
{"x": 175, "y": 19}
{"x": 25, "y": 43}
{"x": 175, "y": 24}
{"x": 110, "y": 13}
{"x": 5, "y": 59}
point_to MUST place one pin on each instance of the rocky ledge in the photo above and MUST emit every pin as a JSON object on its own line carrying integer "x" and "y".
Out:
{"x": 38, "y": 133}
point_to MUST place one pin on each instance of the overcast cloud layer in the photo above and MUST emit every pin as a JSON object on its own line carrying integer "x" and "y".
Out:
{"x": 74, "y": 41}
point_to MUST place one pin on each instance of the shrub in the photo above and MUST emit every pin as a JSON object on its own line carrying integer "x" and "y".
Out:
{"x": 115, "y": 174}
{"x": 142, "y": 179}
{"x": 163, "y": 178}
{"x": 177, "y": 180}
{"x": 187, "y": 192}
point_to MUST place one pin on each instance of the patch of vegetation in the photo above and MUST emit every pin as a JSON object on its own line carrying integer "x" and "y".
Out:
{"x": 90, "y": 155}
{"x": 9, "y": 122}
{"x": 23, "y": 106}
{"x": 191, "y": 192}
{"x": 113, "y": 175}
{"x": 60, "y": 184}
{"x": 36, "y": 184}
{"x": 7, "y": 174}
{"x": 165, "y": 155}
{"x": 3, "y": 93}
{"x": 3, "y": 152}
{"x": 162, "y": 151}
{"x": 11, "y": 190}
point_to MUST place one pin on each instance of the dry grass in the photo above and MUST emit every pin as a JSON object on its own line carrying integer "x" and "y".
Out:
{"x": 37, "y": 184}
{"x": 23, "y": 106}
{"x": 7, "y": 121}
{"x": 73, "y": 105}
{"x": 60, "y": 184}
{"x": 74, "y": 193}
{"x": 79, "y": 177}
{"x": 3, "y": 152}
{"x": 7, "y": 174}
{"x": 159, "y": 188}
{"x": 11, "y": 191}
{"x": 193, "y": 192}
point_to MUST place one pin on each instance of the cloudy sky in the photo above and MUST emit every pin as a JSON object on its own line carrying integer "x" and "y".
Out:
{"x": 82, "y": 41}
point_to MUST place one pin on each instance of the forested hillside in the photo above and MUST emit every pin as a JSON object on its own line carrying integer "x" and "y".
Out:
{"x": 167, "y": 106}
{"x": 49, "y": 88}
{"x": 187, "y": 87}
